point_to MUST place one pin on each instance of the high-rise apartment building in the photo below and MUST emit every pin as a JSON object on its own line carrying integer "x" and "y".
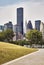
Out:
{"x": 20, "y": 19}
{"x": 37, "y": 24}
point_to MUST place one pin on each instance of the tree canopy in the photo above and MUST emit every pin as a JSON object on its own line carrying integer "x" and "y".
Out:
{"x": 6, "y": 35}
{"x": 34, "y": 36}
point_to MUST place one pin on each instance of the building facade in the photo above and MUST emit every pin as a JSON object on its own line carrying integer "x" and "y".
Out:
{"x": 37, "y": 24}
{"x": 8, "y": 26}
{"x": 14, "y": 28}
{"x": 1, "y": 28}
{"x": 29, "y": 26}
{"x": 42, "y": 29}
{"x": 18, "y": 35}
{"x": 20, "y": 19}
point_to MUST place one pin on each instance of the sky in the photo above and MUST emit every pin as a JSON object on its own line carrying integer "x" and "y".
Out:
{"x": 33, "y": 10}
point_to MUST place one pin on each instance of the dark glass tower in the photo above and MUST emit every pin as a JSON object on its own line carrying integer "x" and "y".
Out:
{"x": 20, "y": 19}
{"x": 29, "y": 25}
{"x": 37, "y": 25}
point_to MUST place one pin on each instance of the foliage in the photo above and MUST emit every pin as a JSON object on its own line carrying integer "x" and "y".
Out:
{"x": 9, "y": 52}
{"x": 34, "y": 36}
{"x": 6, "y": 35}
{"x": 20, "y": 42}
{"x": 9, "y": 35}
{"x": 2, "y": 36}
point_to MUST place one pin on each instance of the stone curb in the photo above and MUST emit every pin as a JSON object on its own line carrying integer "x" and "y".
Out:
{"x": 19, "y": 58}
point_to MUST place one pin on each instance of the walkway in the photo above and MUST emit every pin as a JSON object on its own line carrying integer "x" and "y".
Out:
{"x": 36, "y": 58}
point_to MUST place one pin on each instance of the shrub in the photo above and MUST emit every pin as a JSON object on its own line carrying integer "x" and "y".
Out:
{"x": 20, "y": 42}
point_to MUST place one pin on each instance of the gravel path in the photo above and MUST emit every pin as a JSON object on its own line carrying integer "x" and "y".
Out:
{"x": 36, "y": 58}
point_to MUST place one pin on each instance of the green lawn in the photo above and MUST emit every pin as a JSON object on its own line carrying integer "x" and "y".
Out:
{"x": 10, "y": 51}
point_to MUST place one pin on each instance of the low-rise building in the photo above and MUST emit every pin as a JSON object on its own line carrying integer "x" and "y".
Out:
{"x": 8, "y": 26}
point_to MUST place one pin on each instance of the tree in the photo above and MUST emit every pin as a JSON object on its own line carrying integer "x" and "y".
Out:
{"x": 34, "y": 36}
{"x": 2, "y": 36}
{"x": 9, "y": 34}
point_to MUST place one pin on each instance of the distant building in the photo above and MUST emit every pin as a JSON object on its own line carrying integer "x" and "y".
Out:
{"x": 14, "y": 28}
{"x": 37, "y": 24}
{"x": 25, "y": 30}
{"x": 20, "y": 19}
{"x": 1, "y": 28}
{"x": 18, "y": 34}
{"x": 29, "y": 26}
{"x": 8, "y": 26}
{"x": 42, "y": 29}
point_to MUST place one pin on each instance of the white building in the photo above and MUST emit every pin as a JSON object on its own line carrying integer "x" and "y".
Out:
{"x": 14, "y": 28}
{"x": 42, "y": 29}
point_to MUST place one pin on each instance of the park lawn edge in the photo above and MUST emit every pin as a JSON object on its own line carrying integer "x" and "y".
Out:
{"x": 10, "y": 52}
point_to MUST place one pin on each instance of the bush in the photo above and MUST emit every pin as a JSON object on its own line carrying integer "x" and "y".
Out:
{"x": 20, "y": 42}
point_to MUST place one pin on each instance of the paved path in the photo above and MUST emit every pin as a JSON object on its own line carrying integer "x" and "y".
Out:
{"x": 36, "y": 58}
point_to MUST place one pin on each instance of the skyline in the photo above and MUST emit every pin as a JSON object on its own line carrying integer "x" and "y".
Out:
{"x": 33, "y": 10}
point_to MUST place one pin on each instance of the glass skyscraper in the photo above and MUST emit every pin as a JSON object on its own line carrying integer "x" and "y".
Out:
{"x": 20, "y": 19}
{"x": 29, "y": 25}
{"x": 37, "y": 25}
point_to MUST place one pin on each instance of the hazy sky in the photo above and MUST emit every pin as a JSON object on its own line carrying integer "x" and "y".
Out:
{"x": 33, "y": 10}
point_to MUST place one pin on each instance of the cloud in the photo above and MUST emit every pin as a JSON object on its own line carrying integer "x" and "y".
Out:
{"x": 10, "y": 2}
{"x": 38, "y": 0}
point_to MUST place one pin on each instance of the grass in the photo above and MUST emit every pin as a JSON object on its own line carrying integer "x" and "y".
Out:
{"x": 9, "y": 52}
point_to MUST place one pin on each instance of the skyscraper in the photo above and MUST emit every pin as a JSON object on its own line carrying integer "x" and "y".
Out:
{"x": 20, "y": 19}
{"x": 37, "y": 24}
{"x": 29, "y": 25}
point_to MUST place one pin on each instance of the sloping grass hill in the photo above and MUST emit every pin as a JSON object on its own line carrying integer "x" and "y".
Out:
{"x": 10, "y": 51}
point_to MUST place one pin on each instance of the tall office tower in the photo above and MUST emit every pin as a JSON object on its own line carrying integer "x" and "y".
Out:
{"x": 37, "y": 24}
{"x": 29, "y": 25}
{"x": 8, "y": 26}
{"x": 20, "y": 19}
